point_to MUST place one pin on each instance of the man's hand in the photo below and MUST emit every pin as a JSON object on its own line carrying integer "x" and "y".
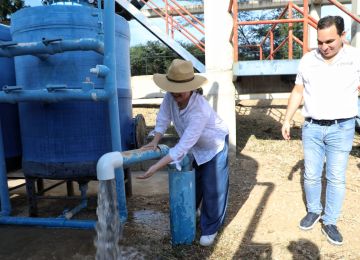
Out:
{"x": 285, "y": 130}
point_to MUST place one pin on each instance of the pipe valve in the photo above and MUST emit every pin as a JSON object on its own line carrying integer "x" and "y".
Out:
{"x": 100, "y": 70}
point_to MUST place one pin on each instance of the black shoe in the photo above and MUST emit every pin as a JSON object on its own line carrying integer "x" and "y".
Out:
{"x": 309, "y": 221}
{"x": 333, "y": 235}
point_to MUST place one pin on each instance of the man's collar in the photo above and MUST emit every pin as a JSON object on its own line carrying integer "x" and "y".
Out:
{"x": 335, "y": 59}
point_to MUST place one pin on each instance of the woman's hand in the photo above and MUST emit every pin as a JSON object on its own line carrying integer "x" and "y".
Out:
{"x": 154, "y": 168}
{"x": 150, "y": 146}
{"x": 150, "y": 172}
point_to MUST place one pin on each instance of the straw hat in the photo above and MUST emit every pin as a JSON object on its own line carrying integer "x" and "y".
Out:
{"x": 179, "y": 78}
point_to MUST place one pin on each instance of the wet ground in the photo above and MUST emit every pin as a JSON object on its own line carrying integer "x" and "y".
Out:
{"x": 24, "y": 242}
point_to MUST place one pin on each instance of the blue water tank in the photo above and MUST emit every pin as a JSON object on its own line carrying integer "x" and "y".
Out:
{"x": 64, "y": 140}
{"x": 9, "y": 112}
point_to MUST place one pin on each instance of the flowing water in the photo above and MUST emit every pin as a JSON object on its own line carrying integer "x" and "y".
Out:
{"x": 108, "y": 228}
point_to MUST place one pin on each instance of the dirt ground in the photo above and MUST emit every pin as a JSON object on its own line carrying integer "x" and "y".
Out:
{"x": 265, "y": 206}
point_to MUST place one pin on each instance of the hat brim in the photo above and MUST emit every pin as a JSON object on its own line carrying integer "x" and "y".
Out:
{"x": 162, "y": 82}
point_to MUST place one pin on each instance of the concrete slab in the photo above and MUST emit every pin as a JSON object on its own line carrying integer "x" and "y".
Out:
{"x": 265, "y": 67}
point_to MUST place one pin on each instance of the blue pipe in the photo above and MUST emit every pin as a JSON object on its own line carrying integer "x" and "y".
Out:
{"x": 83, "y": 204}
{"x": 182, "y": 197}
{"x": 182, "y": 206}
{"x": 11, "y": 49}
{"x": 110, "y": 86}
{"x": 4, "y": 191}
{"x": 108, "y": 163}
{"x": 181, "y": 187}
{"x": 44, "y": 95}
{"x": 139, "y": 155}
{"x": 109, "y": 92}
{"x": 48, "y": 222}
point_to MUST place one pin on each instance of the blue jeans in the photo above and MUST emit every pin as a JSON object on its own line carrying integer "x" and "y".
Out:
{"x": 331, "y": 143}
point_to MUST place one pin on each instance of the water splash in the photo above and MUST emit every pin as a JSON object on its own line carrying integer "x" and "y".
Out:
{"x": 108, "y": 228}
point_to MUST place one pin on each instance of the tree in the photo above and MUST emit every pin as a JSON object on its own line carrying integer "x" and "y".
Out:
{"x": 152, "y": 57}
{"x": 155, "y": 57}
{"x": 7, "y": 7}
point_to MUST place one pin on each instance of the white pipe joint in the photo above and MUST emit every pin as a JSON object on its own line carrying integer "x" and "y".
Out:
{"x": 107, "y": 164}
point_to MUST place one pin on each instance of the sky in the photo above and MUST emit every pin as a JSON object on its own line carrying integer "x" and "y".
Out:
{"x": 139, "y": 35}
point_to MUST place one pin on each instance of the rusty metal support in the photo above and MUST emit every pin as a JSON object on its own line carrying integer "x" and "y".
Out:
{"x": 297, "y": 20}
{"x": 290, "y": 33}
{"x": 271, "y": 45}
{"x": 345, "y": 10}
{"x": 306, "y": 28}
{"x": 235, "y": 40}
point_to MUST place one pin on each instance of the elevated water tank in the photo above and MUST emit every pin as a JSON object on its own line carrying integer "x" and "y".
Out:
{"x": 9, "y": 112}
{"x": 64, "y": 140}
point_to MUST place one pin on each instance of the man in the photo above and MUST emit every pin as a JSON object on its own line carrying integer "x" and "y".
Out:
{"x": 327, "y": 81}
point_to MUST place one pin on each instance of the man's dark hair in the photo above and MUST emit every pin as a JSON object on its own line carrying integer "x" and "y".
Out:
{"x": 330, "y": 20}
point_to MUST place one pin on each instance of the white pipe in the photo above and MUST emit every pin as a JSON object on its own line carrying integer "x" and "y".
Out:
{"x": 107, "y": 164}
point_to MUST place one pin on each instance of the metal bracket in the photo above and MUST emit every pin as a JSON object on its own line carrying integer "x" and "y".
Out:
{"x": 87, "y": 85}
{"x": 52, "y": 88}
{"x": 8, "y": 89}
{"x": 48, "y": 41}
{"x": 7, "y": 44}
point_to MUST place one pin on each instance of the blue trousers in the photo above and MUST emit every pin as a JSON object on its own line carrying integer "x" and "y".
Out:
{"x": 212, "y": 188}
{"x": 331, "y": 143}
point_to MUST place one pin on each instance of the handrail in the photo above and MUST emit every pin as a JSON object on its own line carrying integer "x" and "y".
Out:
{"x": 173, "y": 24}
{"x": 344, "y": 9}
{"x": 306, "y": 20}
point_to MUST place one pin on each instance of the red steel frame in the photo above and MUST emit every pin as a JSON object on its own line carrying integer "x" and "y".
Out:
{"x": 306, "y": 20}
{"x": 172, "y": 25}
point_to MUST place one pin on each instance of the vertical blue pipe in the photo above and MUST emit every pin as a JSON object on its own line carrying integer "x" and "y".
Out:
{"x": 110, "y": 86}
{"x": 4, "y": 190}
{"x": 182, "y": 206}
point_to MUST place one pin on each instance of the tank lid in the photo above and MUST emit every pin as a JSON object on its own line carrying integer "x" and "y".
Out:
{"x": 4, "y": 33}
{"x": 70, "y": 2}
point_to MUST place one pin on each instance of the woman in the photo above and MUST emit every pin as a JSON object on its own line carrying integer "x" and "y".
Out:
{"x": 203, "y": 134}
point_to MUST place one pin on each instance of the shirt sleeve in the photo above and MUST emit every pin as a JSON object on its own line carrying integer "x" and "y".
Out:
{"x": 191, "y": 135}
{"x": 299, "y": 80}
{"x": 163, "y": 117}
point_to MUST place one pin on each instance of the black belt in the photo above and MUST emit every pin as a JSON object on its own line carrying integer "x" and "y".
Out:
{"x": 326, "y": 122}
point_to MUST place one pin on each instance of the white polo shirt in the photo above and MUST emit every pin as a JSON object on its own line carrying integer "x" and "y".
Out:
{"x": 330, "y": 90}
{"x": 202, "y": 132}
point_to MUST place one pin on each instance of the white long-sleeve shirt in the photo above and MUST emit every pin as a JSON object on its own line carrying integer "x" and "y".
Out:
{"x": 202, "y": 132}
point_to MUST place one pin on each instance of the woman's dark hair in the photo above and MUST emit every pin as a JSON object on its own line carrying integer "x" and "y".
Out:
{"x": 330, "y": 20}
{"x": 199, "y": 91}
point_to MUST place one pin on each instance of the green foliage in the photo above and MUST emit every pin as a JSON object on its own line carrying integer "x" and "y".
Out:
{"x": 155, "y": 57}
{"x": 252, "y": 35}
{"x": 7, "y": 7}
